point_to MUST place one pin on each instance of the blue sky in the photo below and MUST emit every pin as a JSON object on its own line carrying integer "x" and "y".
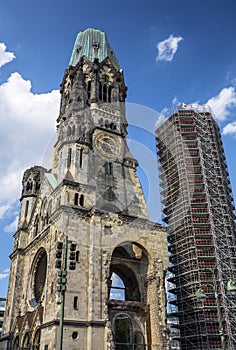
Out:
{"x": 196, "y": 63}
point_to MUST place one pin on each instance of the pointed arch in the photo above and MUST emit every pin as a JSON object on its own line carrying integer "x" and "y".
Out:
{"x": 36, "y": 340}
{"x": 123, "y": 332}
{"x": 43, "y": 213}
{"x": 38, "y": 274}
{"x": 117, "y": 287}
{"x": 16, "y": 343}
{"x": 26, "y": 341}
{"x": 81, "y": 200}
{"x": 36, "y": 226}
{"x": 49, "y": 211}
{"x": 89, "y": 89}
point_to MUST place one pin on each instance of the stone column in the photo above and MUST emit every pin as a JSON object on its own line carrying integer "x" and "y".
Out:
{"x": 157, "y": 308}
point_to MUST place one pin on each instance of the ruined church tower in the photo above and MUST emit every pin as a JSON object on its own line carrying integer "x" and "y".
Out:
{"x": 85, "y": 252}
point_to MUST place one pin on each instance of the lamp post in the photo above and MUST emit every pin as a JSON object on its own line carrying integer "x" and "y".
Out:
{"x": 201, "y": 296}
{"x": 231, "y": 287}
{"x": 61, "y": 264}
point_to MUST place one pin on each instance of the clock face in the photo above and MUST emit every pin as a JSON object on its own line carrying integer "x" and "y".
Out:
{"x": 107, "y": 145}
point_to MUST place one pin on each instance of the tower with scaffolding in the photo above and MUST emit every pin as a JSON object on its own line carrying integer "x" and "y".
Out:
{"x": 199, "y": 213}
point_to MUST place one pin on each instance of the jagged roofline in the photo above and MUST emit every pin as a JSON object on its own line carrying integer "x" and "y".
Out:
{"x": 93, "y": 44}
{"x": 83, "y": 59}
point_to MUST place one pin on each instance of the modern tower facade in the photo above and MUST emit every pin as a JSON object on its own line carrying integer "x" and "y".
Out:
{"x": 84, "y": 245}
{"x": 198, "y": 211}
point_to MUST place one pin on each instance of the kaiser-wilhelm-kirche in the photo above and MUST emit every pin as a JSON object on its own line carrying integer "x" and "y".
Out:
{"x": 87, "y": 266}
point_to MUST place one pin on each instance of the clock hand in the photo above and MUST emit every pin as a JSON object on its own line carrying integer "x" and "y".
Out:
{"x": 110, "y": 146}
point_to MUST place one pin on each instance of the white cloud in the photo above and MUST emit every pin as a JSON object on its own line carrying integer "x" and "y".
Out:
{"x": 167, "y": 48}
{"x": 11, "y": 228}
{"x": 3, "y": 275}
{"x": 26, "y": 124}
{"x": 5, "y": 56}
{"x": 10, "y": 184}
{"x": 3, "y": 210}
{"x": 6, "y": 270}
{"x": 222, "y": 103}
{"x": 230, "y": 128}
{"x": 161, "y": 119}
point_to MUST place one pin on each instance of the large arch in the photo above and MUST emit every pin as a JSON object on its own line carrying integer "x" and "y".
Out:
{"x": 127, "y": 291}
{"x": 130, "y": 262}
{"x": 129, "y": 279}
{"x": 38, "y": 276}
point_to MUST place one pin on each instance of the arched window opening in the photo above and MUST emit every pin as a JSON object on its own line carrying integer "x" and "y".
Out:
{"x": 81, "y": 200}
{"x": 26, "y": 208}
{"x": 124, "y": 336}
{"x": 49, "y": 211}
{"x": 76, "y": 199}
{"x": 43, "y": 207}
{"x": 109, "y": 168}
{"x": 117, "y": 288}
{"x": 113, "y": 126}
{"x": 29, "y": 186}
{"x": 104, "y": 93}
{"x": 46, "y": 219}
{"x": 77, "y": 256}
{"x": 75, "y": 304}
{"x": 36, "y": 342}
{"x": 69, "y": 157}
{"x": 89, "y": 89}
{"x": 109, "y": 94}
{"x": 139, "y": 342}
{"x": 40, "y": 272}
{"x": 16, "y": 343}
{"x": 26, "y": 342}
{"x": 80, "y": 157}
{"x": 36, "y": 226}
{"x": 43, "y": 213}
{"x": 124, "y": 259}
{"x": 123, "y": 332}
{"x": 100, "y": 91}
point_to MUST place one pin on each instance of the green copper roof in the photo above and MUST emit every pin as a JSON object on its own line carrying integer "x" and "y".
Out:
{"x": 93, "y": 44}
{"x": 52, "y": 180}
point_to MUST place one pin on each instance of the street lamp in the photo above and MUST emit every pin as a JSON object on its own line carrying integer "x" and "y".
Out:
{"x": 231, "y": 287}
{"x": 201, "y": 296}
{"x": 61, "y": 264}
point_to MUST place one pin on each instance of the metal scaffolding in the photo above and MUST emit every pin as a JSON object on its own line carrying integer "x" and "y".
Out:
{"x": 198, "y": 210}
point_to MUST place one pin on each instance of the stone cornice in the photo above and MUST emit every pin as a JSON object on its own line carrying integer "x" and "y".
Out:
{"x": 77, "y": 323}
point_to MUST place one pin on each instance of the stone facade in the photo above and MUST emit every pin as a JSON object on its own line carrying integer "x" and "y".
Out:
{"x": 93, "y": 198}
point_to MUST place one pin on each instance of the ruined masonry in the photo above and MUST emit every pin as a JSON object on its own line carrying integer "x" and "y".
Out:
{"x": 116, "y": 258}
